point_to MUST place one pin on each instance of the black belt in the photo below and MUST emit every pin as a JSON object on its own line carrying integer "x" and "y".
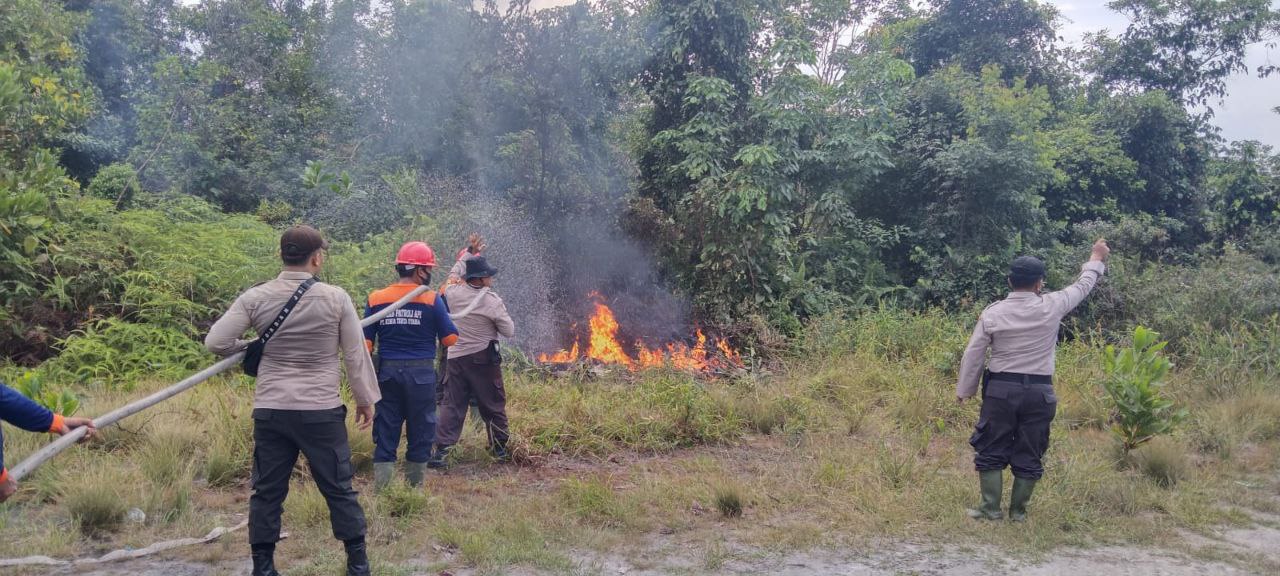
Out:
{"x": 408, "y": 363}
{"x": 1025, "y": 379}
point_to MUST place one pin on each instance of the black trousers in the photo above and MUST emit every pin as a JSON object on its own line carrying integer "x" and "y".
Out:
{"x": 1013, "y": 427}
{"x": 320, "y": 435}
{"x": 474, "y": 376}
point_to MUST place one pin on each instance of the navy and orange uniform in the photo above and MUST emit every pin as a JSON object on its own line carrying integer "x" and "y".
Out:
{"x": 406, "y": 346}
{"x": 20, "y": 411}
{"x": 409, "y": 333}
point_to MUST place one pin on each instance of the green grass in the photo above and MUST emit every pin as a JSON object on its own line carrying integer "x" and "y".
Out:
{"x": 858, "y": 438}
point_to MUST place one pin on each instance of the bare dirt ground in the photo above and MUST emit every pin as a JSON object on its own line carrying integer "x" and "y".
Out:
{"x": 1245, "y": 548}
{"x": 1234, "y": 551}
{"x": 1258, "y": 555}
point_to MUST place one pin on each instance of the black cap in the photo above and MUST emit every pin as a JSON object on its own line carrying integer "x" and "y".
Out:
{"x": 300, "y": 242}
{"x": 478, "y": 267}
{"x": 1026, "y": 270}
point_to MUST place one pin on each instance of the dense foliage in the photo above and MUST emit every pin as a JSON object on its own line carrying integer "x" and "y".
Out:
{"x": 778, "y": 159}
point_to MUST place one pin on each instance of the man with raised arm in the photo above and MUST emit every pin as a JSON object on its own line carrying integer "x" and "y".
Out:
{"x": 297, "y": 406}
{"x": 1018, "y": 402}
{"x": 475, "y": 365}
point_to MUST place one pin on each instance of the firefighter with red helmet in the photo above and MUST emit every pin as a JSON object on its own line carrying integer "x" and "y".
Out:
{"x": 406, "y": 351}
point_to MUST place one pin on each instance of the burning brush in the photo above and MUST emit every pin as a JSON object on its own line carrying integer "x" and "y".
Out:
{"x": 603, "y": 347}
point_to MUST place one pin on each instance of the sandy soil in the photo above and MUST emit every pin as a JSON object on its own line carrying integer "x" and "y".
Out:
{"x": 1253, "y": 550}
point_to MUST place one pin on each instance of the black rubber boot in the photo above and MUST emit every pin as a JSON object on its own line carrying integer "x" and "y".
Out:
{"x": 357, "y": 557}
{"x": 991, "y": 483}
{"x": 440, "y": 458}
{"x": 264, "y": 560}
{"x": 1022, "y": 489}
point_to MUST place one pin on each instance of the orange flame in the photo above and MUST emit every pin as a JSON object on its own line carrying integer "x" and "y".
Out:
{"x": 603, "y": 346}
{"x": 604, "y": 337}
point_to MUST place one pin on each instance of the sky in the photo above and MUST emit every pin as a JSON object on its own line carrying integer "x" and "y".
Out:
{"x": 1246, "y": 112}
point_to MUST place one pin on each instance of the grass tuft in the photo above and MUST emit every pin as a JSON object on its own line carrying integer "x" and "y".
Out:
{"x": 399, "y": 500}
{"x": 305, "y": 506}
{"x": 1163, "y": 461}
{"x": 728, "y": 499}
{"x": 95, "y": 502}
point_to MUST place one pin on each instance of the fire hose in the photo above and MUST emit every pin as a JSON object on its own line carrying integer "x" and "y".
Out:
{"x": 60, "y": 444}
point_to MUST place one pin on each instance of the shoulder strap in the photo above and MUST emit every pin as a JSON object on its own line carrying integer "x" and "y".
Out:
{"x": 288, "y": 307}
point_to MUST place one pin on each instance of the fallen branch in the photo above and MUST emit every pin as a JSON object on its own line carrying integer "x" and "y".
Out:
{"x": 118, "y": 555}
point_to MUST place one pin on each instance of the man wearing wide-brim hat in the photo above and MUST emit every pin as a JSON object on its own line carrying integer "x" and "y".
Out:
{"x": 1018, "y": 400}
{"x": 475, "y": 367}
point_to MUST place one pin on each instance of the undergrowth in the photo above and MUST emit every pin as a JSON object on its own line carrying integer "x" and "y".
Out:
{"x": 856, "y": 435}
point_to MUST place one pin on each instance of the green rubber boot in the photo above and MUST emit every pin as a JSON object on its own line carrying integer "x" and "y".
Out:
{"x": 991, "y": 483}
{"x": 414, "y": 472}
{"x": 383, "y": 472}
{"x": 1018, "y": 499}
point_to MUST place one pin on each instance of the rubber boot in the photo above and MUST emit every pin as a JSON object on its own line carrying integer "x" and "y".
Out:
{"x": 991, "y": 483}
{"x": 1022, "y": 489}
{"x": 357, "y": 557}
{"x": 264, "y": 560}
{"x": 414, "y": 472}
{"x": 500, "y": 452}
{"x": 440, "y": 458}
{"x": 383, "y": 472}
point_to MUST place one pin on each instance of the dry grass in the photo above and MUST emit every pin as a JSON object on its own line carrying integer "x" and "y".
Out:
{"x": 860, "y": 439}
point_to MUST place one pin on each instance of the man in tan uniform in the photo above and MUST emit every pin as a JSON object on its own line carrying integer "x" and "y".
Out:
{"x": 296, "y": 405}
{"x": 475, "y": 366}
{"x": 1018, "y": 403}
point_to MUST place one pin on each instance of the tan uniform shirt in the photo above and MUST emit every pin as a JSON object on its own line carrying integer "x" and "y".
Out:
{"x": 1022, "y": 331}
{"x": 457, "y": 271}
{"x": 300, "y": 368}
{"x": 486, "y": 322}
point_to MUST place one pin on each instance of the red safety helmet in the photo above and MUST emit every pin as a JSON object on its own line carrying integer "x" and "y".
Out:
{"x": 417, "y": 254}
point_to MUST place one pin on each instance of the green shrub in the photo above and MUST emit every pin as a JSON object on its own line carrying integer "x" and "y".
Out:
{"x": 119, "y": 353}
{"x": 31, "y": 385}
{"x": 274, "y": 213}
{"x": 117, "y": 183}
{"x": 1134, "y": 382}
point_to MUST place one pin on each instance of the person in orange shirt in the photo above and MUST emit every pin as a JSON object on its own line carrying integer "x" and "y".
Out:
{"x": 406, "y": 344}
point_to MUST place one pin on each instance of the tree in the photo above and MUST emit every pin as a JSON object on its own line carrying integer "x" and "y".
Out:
{"x": 1245, "y": 182}
{"x": 1016, "y": 35}
{"x": 1186, "y": 48}
{"x": 1171, "y": 156}
{"x": 970, "y": 162}
{"x": 1092, "y": 173}
{"x": 234, "y": 122}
